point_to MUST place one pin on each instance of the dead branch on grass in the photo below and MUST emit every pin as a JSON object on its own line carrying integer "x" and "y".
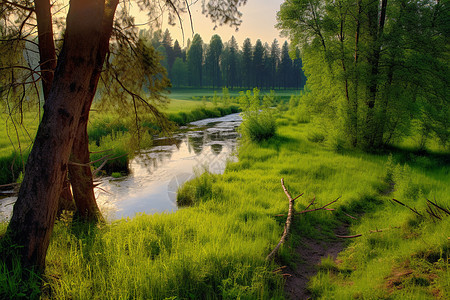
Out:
{"x": 412, "y": 209}
{"x": 370, "y": 231}
{"x": 290, "y": 215}
{"x": 435, "y": 210}
{"x": 287, "y": 226}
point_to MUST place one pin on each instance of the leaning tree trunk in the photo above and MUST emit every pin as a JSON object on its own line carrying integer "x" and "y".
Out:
{"x": 34, "y": 213}
{"x": 47, "y": 63}
{"x": 79, "y": 169}
{"x": 80, "y": 174}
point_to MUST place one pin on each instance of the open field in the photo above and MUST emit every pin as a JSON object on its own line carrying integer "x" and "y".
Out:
{"x": 193, "y": 93}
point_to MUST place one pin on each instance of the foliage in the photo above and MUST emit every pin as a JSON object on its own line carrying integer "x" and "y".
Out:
{"x": 201, "y": 188}
{"x": 258, "y": 119}
{"x": 194, "y": 61}
{"x": 373, "y": 69}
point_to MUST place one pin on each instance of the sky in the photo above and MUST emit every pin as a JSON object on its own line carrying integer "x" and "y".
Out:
{"x": 258, "y": 22}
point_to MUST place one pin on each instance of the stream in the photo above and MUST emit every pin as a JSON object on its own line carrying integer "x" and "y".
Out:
{"x": 157, "y": 172}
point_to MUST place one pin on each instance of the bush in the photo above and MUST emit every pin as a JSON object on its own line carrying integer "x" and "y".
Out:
{"x": 258, "y": 120}
{"x": 197, "y": 189}
{"x": 302, "y": 115}
{"x": 117, "y": 146}
{"x": 315, "y": 137}
{"x": 258, "y": 126}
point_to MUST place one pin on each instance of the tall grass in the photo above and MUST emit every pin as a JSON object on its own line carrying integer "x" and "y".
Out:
{"x": 216, "y": 247}
{"x": 259, "y": 122}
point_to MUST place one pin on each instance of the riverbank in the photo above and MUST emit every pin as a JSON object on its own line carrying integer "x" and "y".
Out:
{"x": 106, "y": 130}
{"x": 217, "y": 247}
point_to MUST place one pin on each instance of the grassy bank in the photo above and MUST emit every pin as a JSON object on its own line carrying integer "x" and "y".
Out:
{"x": 106, "y": 131}
{"x": 216, "y": 248}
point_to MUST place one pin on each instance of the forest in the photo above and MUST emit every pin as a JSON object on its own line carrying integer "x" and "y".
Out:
{"x": 316, "y": 169}
{"x": 225, "y": 64}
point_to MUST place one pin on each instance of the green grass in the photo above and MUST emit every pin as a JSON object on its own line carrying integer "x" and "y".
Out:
{"x": 216, "y": 247}
{"x": 17, "y": 133}
{"x": 198, "y": 93}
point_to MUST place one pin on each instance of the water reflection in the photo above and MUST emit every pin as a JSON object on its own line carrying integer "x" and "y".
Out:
{"x": 156, "y": 173}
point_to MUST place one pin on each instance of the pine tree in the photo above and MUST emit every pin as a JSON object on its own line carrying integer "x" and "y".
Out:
{"x": 195, "y": 61}
{"x": 247, "y": 62}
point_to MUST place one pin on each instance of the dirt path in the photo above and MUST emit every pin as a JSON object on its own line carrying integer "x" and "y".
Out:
{"x": 311, "y": 251}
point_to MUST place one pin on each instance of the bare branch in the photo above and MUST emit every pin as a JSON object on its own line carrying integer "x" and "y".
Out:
{"x": 17, "y": 5}
{"x": 412, "y": 209}
{"x": 348, "y": 236}
{"x": 287, "y": 227}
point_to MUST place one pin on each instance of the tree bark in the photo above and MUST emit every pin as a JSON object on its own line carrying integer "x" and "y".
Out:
{"x": 80, "y": 174}
{"x": 47, "y": 57}
{"x": 47, "y": 52}
{"x": 34, "y": 213}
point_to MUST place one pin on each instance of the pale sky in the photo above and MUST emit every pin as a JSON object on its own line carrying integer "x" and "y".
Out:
{"x": 258, "y": 21}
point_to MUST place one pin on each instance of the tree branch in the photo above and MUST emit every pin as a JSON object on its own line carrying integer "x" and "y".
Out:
{"x": 287, "y": 227}
{"x": 17, "y": 5}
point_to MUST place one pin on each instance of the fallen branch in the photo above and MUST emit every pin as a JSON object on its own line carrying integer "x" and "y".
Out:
{"x": 287, "y": 226}
{"x": 370, "y": 231}
{"x": 348, "y": 236}
{"x": 320, "y": 208}
{"x": 412, "y": 209}
{"x": 314, "y": 209}
{"x": 9, "y": 185}
{"x": 350, "y": 216}
{"x": 440, "y": 208}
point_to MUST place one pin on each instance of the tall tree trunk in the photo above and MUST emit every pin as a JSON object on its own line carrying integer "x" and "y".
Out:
{"x": 376, "y": 32}
{"x": 384, "y": 102}
{"x": 34, "y": 213}
{"x": 353, "y": 105}
{"x": 47, "y": 52}
{"x": 80, "y": 173}
{"x": 47, "y": 57}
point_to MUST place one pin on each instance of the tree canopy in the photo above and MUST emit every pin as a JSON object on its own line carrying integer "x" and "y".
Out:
{"x": 384, "y": 64}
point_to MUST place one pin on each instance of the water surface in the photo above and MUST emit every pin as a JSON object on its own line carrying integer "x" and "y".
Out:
{"x": 156, "y": 173}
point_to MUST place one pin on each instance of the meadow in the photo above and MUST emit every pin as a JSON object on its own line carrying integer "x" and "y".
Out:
{"x": 215, "y": 247}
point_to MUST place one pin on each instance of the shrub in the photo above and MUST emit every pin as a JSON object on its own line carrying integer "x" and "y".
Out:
{"x": 258, "y": 126}
{"x": 197, "y": 189}
{"x": 315, "y": 137}
{"x": 258, "y": 120}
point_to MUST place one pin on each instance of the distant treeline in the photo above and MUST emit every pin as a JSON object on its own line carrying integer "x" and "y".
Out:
{"x": 219, "y": 64}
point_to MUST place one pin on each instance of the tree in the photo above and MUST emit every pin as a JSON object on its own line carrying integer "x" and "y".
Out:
{"x": 212, "y": 60}
{"x": 177, "y": 51}
{"x": 179, "y": 73}
{"x": 258, "y": 64}
{"x": 285, "y": 69}
{"x": 299, "y": 77}
{"x": 167, "y": 44}
{"x": 274, "y": 62}
{"x": 381, "y": 61}
{"x": 164, "y": 59}
{"x": 195, "y": 61}
{"x": 247, "y": 63}
{"x": 229, "y": 63}
{"x": 79, "y": 65}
